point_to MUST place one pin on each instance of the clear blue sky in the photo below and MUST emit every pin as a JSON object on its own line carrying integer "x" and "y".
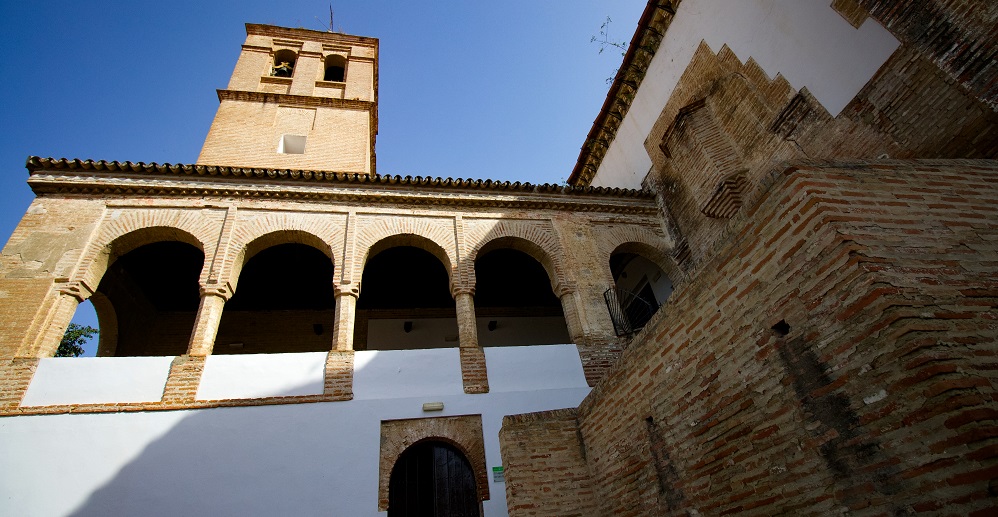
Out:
{"x": 503, "y": 90}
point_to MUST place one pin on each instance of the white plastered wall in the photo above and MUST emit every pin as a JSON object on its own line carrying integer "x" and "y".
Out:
{"x": 805, "y": 41}
{"x": 295, "y": 459}
{"x": 97, "y": 380}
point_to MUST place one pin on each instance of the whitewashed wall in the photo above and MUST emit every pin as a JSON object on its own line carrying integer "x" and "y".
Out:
{"x": 303, "y": 459}
{"x": 262, "y": 375}
{"x": 805, "y": 41}
{"x": 97, "y": 380}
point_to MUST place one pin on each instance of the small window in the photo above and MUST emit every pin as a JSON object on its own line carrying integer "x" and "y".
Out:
{"x": 284, "y": 63}
{"x": 291, "y": 144}
{"x": 335, "y": 67}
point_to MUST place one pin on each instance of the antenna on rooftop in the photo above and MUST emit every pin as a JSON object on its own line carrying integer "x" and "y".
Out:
{"x": 329, "y": 28}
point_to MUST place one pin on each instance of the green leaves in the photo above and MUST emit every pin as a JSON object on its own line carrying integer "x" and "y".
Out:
{"x": 74, "y": 339}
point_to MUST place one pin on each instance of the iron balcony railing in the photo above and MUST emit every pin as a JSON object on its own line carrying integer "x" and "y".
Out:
{"x": 629, "y": 311}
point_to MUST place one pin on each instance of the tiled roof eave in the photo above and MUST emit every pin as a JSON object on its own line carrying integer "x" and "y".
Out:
{"x": 655, "y": 20}
{"x": 49, "y": 175}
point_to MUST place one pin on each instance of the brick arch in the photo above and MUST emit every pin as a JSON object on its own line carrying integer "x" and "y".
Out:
{"x": 640, "y": 241}
{"x": 462, "y": 432}
{"x": 517, "y": 243}
{"x": 256, "y": 232}
{"x": 107, "y": 322}
{"x": 269, "y": 240}
{"x": 124, "y": 232}
{"x": 537, "y": 240}
{"x": 417, "y": 241}
{"x": 435, "y": 235}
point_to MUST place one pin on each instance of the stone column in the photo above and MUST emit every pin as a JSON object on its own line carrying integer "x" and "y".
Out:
{"x": 474, "y": 372}
{"x": 570, "y": 307}
{"x": 467, "y": 324}
{"x": 213, "y": 299}
{"x": 346, "y": 313}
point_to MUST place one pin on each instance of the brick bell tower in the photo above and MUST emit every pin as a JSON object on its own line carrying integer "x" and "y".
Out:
{"x": 298, "y": 99}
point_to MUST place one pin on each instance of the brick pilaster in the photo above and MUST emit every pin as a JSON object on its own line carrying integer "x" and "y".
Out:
{"x": 182, "y": 382}
{"x": 474, "y": 374}
{"x": 15, "y": 376}
{"x": 338, "y": 378}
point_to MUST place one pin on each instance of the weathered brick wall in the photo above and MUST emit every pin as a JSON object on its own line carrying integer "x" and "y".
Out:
{"x": 957, "y": 35}
{"x": 44, "y": 247}
{"x": 545, "y": 469}
{"x": 837, "y": 353}
{"x": 257, "y": 108}
{"x": 474, "y": 372}
{"x": 727, "y": 125}
{"x": 246, "y": 134}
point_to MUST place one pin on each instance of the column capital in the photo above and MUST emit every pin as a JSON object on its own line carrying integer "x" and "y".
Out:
{"x": 215, "y": 290}
{"x": 350, "y": 289}
{"x": 77, "y": 289}
{"x": 462, "y": 289}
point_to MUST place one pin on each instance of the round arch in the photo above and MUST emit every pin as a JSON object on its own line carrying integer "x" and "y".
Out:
{"x": 639, "y": 285}
{"x": 334, "y": 68}
{"x": 640, "y": 241}
{"x": 104, "y": 256}
{"x": 462, "y": 432}
{"x": 414, "y": 240}
{"x": 529, "y": 247}
{"x": 648, "y": 251}
{"x": 147, "y": 298}
{"x": 269, "y": 240}
{"x": 107, "y": 322}
{"x": 284, "y": 63}
{"x": 436, "y": 463}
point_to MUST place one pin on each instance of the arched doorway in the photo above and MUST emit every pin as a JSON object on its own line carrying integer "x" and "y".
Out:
{"x": 432, "y": 478}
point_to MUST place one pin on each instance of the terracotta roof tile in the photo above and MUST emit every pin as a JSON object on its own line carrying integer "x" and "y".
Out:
{"x": 37, "y": 164}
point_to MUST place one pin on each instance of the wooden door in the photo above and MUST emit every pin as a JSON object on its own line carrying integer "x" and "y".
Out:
{"x": 432, "y": 479}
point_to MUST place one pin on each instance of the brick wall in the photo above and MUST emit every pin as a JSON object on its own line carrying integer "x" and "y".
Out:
{"x": 837, "y": 353}
{"x": 246, "y": 134}
{"x": 957, "y": 35}
{"x": 727, "y": 125}
{"x": 544, "y": 465}
{"x": 257, "y": 108}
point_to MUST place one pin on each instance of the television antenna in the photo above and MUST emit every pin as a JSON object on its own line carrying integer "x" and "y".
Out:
{"x": 329, "y": 28}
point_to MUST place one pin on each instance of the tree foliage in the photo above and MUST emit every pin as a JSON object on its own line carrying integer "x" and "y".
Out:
{"x": 74, "y": 339}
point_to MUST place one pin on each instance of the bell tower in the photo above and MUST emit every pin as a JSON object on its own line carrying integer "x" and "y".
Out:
{"x": 298, "y": 99}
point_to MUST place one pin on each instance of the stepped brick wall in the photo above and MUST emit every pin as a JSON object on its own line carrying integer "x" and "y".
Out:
{"x": 838, "y": 352}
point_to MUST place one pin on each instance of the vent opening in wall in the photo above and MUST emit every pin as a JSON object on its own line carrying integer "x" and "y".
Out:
{"x": 291, "y": 144}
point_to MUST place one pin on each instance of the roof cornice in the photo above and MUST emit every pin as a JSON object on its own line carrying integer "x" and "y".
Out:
{"x": 312, "y": 35}
{"x": 297, "y": 100}
{"x": 655, "y": 20}
{"x": 90, "y": 177}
